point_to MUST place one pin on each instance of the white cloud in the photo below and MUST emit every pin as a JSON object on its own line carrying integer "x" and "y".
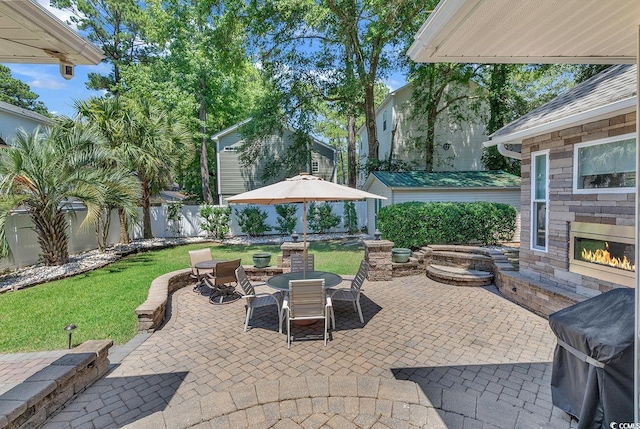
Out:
{"x": 38, "y": 78}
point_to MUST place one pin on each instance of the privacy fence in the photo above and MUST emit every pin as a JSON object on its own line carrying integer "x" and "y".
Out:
{"x": 26, "y": 251}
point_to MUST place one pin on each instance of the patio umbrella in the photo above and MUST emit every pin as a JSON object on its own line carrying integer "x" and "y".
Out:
{"x": 301, "y": 189}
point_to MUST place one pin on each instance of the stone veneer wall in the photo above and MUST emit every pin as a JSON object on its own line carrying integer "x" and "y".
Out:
{"x": 564, "y": 207}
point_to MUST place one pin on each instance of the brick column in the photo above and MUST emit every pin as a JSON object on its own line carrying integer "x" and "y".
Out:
{"x": 288, "y": 249}
{"x": 377, "y": 253}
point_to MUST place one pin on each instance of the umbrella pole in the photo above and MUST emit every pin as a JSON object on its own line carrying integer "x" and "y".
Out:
{"x": 304, "y": 238}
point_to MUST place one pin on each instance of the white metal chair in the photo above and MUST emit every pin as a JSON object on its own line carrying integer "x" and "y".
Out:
{"x": 298, "y": 263}
{"x": 196, "y": 256}
{"x": 306, "y": 300}
{"x": 257, "y": 300}
{"x": 351, "y": 294}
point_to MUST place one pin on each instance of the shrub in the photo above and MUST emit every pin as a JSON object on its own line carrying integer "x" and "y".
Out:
{"x": 350, "y": 217}
{"x": 416, "y": 224}
{"x": 287, "y": 218}
{"x": 174, "y": 214}
{"x": 321, "y": 218}
{"x": 252, "y": 221}
{"x": 215, "y": 220}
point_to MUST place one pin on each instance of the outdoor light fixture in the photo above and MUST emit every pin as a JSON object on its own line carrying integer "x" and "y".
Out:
{"x": 377, "y": 234}
{"x": 69, "y": 329}
{"x": 446, "y": 146}
{"x": 294, "y": 237}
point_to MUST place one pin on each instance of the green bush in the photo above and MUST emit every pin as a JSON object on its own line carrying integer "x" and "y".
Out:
{"x": 252, "y": 221}
{"x": 287, "y": 218}
{"x": 321, "y": 218}
{"x": 350, "y": 217}
{"x": 215, "y": 220}
{"x": 416, "y": 224}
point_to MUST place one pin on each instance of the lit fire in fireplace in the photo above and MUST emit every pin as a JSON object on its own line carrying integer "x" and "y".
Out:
{"x": 603, "y": 257}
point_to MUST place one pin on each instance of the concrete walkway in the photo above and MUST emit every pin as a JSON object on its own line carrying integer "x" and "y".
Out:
{"x": 428, "y": 355}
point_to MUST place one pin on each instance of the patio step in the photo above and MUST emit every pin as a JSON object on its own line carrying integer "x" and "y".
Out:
{"x": 459, "y": 276}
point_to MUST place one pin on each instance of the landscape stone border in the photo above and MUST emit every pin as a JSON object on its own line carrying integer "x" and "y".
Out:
{"x": 32, "y": 402}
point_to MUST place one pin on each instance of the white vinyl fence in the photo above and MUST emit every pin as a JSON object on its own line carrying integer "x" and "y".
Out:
{"x": 26, "y": 250}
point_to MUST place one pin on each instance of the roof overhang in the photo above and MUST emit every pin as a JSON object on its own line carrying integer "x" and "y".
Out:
{"x": 541, "y": 31}
{"x": 32, "y": 35}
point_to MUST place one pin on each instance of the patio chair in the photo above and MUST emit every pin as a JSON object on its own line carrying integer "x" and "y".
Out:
{"x": 306, "y": 300}
{"x": 196, "y": 256}
{"x": 298, "y": 262}
{"x": 257, "y": 300}
{"x": 219, "y": 283}
{"x": 352, "y": 293}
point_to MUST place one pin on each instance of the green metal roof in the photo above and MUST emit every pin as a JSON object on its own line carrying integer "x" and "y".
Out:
{"x": 448, "y": 179}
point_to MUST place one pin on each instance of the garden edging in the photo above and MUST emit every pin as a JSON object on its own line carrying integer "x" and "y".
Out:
{"x": 151, "y": 313}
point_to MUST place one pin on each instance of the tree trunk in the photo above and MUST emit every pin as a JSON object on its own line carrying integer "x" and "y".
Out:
{"x": 370, "y": 120}
{"x": 429, "y": 150}
{"x": 52, "y": 235}
{"x": 351, "y": 150}
{"x": 124, "y": 227}
{"x": 146, "y": 211}
{"x": 204, "y": 158}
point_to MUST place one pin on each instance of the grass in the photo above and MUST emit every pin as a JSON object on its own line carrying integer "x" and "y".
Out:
{"x": 102, "y": 303}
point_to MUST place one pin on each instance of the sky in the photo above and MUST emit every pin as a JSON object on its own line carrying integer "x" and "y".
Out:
{"x": 59, "y": 94}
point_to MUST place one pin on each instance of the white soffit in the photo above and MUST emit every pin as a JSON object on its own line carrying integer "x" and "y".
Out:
{"x": 30, "y": 34}
{"x": 540, "y": 31}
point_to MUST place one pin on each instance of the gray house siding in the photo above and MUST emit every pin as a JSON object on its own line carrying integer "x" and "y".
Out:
{"x": 235, "y": 178}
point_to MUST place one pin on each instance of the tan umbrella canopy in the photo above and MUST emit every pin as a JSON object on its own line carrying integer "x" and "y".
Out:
{"x": 301, "y": 189}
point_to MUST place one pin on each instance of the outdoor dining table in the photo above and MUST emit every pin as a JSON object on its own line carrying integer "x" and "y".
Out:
{"x": 281, "y": 281}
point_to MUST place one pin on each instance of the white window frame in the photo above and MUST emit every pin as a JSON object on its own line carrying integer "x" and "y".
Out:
{"x": 533, "y": 226}
{"x": 384, "y": 120}
{"x": 578, "y": 146}
{"x": 315, "y": 166}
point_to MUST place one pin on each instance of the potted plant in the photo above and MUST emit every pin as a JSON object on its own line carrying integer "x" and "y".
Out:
{"x": 400, "y": 255}
{"x": 261, "y": 259}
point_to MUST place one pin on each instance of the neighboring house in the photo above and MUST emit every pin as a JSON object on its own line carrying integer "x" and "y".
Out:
{"x": 12, "y": 118}
{"x": 234, "y": 178}
{"x": 458, "y": 186}
{"x": 458, "y": 146}
{"x": 578, "y": 184}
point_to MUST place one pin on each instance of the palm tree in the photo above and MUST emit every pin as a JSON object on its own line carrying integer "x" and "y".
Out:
{"x": 148, "y": 141}
{"x": 160, "y": 139}
{"x": 44, "y": 172}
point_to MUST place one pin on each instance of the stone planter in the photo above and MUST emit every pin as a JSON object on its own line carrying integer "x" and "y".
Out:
{"x": 400, "y": 255}
{"x": 261, "y": 260}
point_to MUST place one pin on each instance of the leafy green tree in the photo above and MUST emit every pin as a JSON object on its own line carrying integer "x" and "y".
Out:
{"x": 45, "y": 172}
{"x": 287, "y": 219}
{"x": 252, "y": 221}
{"x": 442, "y": 89}
{"x": 348, "y": 47}
{"x": 205, "y": 57}
{"x": 321, "y": 218}
{"x": 116, "y": 26}
{"x": 18, "y": 93}
{"x": 215, "y": 220}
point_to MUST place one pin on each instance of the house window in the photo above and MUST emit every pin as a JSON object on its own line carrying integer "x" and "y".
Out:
{"x": 539, "y": 199}
{"x": 384, "y": 120}
{"x": 607, "y": 165}
{"x": 315, "y": 167}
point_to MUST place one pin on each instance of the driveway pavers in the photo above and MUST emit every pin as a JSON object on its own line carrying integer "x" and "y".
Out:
{"x": 428, "y": 355}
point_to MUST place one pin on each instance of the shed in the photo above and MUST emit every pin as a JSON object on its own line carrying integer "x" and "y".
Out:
{"x": 444, "y": 186}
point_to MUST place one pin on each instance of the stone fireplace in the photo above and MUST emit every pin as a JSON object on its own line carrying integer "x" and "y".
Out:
{"x": 601, "y": 251}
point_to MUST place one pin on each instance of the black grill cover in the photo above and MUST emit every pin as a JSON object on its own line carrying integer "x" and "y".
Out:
{"x": 592, "y": 376}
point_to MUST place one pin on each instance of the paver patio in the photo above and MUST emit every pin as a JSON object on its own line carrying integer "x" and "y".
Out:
{"x": 428, "y": 355}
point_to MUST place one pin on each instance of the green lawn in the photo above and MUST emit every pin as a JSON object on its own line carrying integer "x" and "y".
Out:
{"x": 101, "y": 303}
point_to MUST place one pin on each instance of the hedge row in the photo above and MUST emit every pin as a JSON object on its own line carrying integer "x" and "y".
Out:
{"x": 416, "y": 224}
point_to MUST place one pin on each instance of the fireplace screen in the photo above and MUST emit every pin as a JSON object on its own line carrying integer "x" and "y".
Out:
{"x": 606, "y": 252}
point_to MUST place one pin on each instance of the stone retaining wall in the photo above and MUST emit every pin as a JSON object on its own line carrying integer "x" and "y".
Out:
{"x": 29, "y": 404}
{"x": 151, "y": 312}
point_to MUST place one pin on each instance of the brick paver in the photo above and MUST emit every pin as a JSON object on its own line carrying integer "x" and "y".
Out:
{"x": 428, "y": 355}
